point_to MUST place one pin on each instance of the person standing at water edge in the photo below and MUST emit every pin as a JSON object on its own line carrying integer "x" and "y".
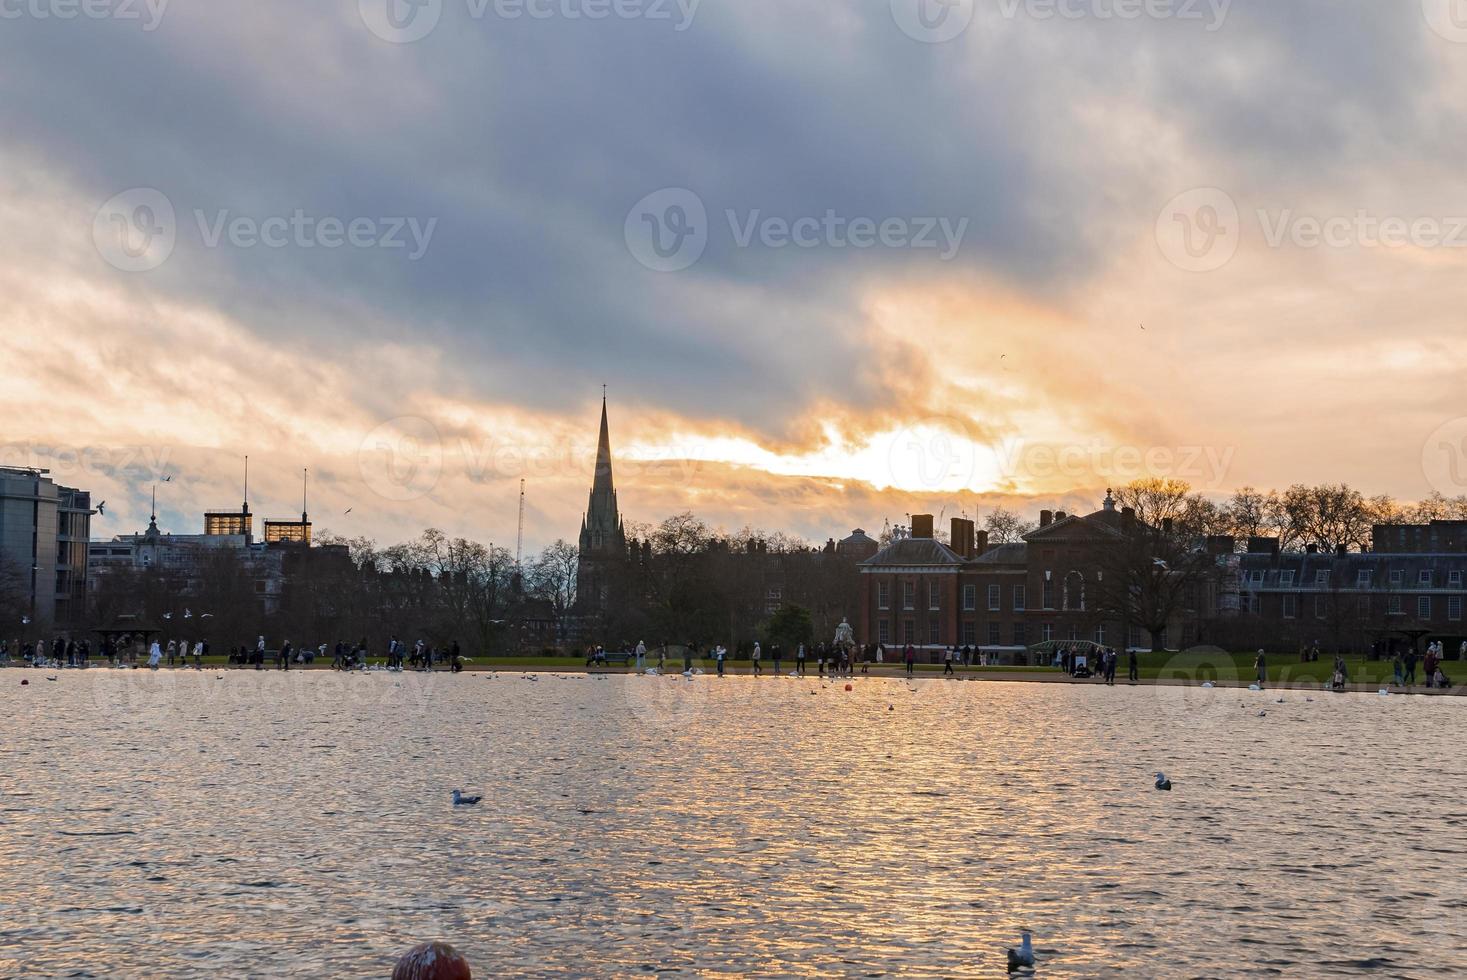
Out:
{"x": 947, "y": 662}
{"x": 1134, "y": 673}
{"x": 911, "y": 658}
{"x": 155, "y": 654}
{"x": 800, "y": 660}
{"x": 1260, "y": 664}
{"x": 758, "y": 672}
{"x": 641, "y": 653}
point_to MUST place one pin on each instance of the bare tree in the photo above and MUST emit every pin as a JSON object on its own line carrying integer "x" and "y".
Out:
{"x": 1005, "y": 526}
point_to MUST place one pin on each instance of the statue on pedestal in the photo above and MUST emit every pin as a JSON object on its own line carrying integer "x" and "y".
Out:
{"x": 845, "y": 636}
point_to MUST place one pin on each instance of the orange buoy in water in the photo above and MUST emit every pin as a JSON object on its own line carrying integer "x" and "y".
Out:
{"x": 849, "y": 688}
{"x": 431, "y": 961}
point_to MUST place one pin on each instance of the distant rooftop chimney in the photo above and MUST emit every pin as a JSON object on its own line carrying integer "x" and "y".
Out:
{"x": 922, "y": 525}
{"x": 1046, "y": 518}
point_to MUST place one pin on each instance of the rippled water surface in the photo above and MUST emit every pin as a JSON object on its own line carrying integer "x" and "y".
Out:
{"x": 256, "y": 824}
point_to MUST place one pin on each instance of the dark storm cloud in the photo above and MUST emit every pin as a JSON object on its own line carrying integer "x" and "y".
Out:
{"x": 530, "y": 140}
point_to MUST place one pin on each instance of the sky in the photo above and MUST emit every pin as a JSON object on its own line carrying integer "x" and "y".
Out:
{"x": 835, "y": 261}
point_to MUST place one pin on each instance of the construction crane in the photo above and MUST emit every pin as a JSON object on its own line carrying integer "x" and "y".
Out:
{"x": 519, "y": 541}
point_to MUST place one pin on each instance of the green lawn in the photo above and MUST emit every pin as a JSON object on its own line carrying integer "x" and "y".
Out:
{"x": 1194, "y": 667}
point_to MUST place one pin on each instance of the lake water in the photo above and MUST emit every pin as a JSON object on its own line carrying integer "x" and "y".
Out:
{"x": 180, "y": 824}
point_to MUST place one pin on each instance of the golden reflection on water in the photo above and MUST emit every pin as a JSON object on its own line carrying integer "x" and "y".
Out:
{"x": 187, "y": 824}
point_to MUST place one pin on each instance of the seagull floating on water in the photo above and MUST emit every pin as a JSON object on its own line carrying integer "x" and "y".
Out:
{"x": 1024, "y": 955}
{"x": 1162, "y": 783}
{"x": 459, "y": 799}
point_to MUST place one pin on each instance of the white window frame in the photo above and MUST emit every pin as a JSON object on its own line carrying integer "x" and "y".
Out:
{"x": 995, "y": 598}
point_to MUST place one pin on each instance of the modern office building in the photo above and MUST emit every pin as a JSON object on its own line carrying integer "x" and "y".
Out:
{"x": 44, "y": 529}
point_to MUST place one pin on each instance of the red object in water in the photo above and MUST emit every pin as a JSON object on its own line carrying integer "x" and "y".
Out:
{"x": 849, "y": 688}
{"x": 431, "y": 961}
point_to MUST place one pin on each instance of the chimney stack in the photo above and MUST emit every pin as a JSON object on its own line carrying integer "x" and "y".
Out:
{"x": 981, "y": 545}
{"x": 922, "y": 525}
{"x": 961, "y": 537}
{"x": 1046, "y": 518}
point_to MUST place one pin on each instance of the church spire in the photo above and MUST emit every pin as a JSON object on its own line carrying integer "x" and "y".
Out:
{"x": 603, "y": 482}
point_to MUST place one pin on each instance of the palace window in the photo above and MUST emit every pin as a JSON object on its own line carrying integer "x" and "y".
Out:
{"x": 1397, "y": 576}
{"x": 934, "y": 594}
{"x": 1362, "y": 578}
{"x": 1100, "y": 634}
{"x": 1424, "y": 578}
{"x": 1019, "y": 598}
{"x": 1321, "y": 577}
{"x": 1286, "y": 577}
{"x": 970, "y": 598}
{"x": 1046, "y": 632}
{"x": 933, "y": 638}
{"x": 1291, "y": 606}
{"x": 1454, "y": 607}
{"x": 1021, "y": 635}
{"x": 909, "y": 631}
{"x": 909, "y": 595}
{"x": 883, "y": 596}
{"x": 1454, "y": 578}
{"x": 995, "y": 598}
{"x": 970, "y": 634}
{"x": 883, "y": 631}
{"x": 1320, "y": 607}
{"x": 1048, "y": 594}
{"x": 1423, "y": 607}
{"x": 1393, "y": 605}
{"x": 994, "y": 639}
